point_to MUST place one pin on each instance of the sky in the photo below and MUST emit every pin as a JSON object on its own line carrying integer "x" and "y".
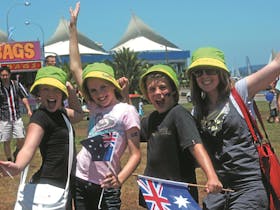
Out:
{"x": 239, "y": 27}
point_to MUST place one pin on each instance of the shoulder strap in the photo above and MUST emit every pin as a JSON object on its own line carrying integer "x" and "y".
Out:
{"x": 71, "y": 150}
{"x": 258, "y": 114}
{"x": 252, "y": 125}
{"x": 70, "y": 156}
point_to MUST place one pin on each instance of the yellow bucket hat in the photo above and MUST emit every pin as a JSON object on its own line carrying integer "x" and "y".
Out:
{"x": 101, "y": 71}
{"x": 167, "y": 70}
{"x": 50, "y": 75}
{"x": 207, "y": 57}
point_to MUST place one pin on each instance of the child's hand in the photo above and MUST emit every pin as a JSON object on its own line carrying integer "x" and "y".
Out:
{"x": 70, "y": 87}
{"x": 110, "y": 181}
{"x": 8, "y": 168}
{"x": 124, "y": 83}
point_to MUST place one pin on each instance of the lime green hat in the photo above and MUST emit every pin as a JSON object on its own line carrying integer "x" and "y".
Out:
{"x": 50, "y": 75}
{"x": 101, "y": 71}
{"x": 207, "y": 57}
{"x": 167, "y": 70}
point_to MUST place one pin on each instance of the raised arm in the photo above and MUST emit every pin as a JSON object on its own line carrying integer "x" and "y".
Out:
{"x": 75, "y": 59}
{"x": 74, "y": 112}
{"x": 262, "y": 78}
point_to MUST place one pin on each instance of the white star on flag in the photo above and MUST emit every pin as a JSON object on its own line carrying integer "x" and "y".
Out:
{"x": 181, "y": 201}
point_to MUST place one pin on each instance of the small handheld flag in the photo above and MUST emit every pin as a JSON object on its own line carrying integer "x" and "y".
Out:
{"x": 101, "y": 147}
{"x": 160, "y": 194}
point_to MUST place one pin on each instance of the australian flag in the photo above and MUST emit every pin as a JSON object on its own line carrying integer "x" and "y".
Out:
{"x": 101, "y": 147}
{"x": 161, "y": 194}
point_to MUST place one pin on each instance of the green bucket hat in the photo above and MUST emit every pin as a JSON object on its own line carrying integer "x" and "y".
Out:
{"x": 207, "y": 57}
{"x": 101, "y": 71}
{"x": 167, "y": 70}
{"x": 50, "y": 75}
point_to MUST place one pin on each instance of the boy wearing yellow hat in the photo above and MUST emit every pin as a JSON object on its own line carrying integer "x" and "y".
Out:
{"x": 223, "y": 129}
{"x": 98, "y": 183}
{"x": 47, "y": 128}
{"x": 174, "y": 144}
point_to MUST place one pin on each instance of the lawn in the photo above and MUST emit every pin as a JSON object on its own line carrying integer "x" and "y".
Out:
{"x": 8, "y": 186}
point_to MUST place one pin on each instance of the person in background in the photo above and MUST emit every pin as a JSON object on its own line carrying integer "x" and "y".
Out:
{"x": 271, "y": 97}
{"x": 223, "y": 129}
{"x": 174, "y": 146}
{"x": 50, "y": 60}
{"x": 97, "y": 180}
{"x": 140, "y": 108}
{"x": 47, "y": 130}
{"x": 11, "y": 124}
{"x": 277, "y": 90}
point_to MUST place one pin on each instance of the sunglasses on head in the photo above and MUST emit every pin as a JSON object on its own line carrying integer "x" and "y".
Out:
{"x": 199, "y": 72}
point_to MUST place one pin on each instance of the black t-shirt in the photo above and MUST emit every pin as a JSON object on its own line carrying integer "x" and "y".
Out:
{"x": 168, "y": 137}
{"x": 54, "y": 146}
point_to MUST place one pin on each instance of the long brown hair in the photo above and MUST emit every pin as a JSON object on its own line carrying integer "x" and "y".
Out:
{"x": 199, "y": 98}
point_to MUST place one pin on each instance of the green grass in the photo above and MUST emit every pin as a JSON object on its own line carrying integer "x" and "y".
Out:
{"x": 8, "y": 187}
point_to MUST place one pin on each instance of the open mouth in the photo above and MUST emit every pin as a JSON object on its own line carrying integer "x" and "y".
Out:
{"x": 51, "y": 103}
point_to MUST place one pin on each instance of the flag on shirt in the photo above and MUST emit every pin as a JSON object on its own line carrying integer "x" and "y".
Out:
{"x": 161, "y": 194}
{"x": 101, "y": 147}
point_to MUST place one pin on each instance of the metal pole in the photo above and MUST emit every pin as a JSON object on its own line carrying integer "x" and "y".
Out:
{"x": 26, "y": 3}
{"x": 27, "y": 22}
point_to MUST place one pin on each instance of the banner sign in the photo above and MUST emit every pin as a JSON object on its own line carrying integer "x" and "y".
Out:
{"x": 25, "y": 66}
{"x": 12, "y": 52}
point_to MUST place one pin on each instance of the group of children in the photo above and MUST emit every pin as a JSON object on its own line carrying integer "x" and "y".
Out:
{"x": 175, "y": 144}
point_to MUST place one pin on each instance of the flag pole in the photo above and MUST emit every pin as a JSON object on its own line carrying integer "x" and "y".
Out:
{"x": 100, "y": 199}
{"x": 102, "y": 192}
{"x": 182, "y": 183}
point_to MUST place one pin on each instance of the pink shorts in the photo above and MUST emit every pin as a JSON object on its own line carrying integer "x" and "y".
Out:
{"x": 11, "y": 129}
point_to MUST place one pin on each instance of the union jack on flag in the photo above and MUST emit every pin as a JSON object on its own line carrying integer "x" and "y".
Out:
{"x": 160, "y": 194}
{"x": 101, "y": 147}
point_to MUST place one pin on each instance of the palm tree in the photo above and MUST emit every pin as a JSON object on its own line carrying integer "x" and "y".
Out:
{"x": 126, "y": 63}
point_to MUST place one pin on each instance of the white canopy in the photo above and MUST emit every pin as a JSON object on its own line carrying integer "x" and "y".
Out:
{"x": 62, "y": 48}
{"x": 58, "y": 44}
{"x": 140, "y": 37}
{"x": 140, "y": 44}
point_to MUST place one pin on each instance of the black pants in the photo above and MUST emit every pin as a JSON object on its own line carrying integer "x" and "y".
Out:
{"x": 87, "y": 196}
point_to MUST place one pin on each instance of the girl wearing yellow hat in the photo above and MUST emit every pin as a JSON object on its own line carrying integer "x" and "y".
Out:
{"x": 48, "y": 130}
{"x": 98, "y": 183}
{"x": 224, "y": 131}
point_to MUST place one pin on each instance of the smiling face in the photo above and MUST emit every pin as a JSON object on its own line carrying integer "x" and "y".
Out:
{"x": 101, "y": 92}
{"x": 50, "y": 97}
{"x": 160, "y": 94}
{"x": 207, "y": 80}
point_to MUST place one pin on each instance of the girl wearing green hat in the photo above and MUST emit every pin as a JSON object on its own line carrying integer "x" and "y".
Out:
{"x": 173, "y": 141}
{"x": 47, "y": 129}
{"x": 224, "y": 131}
{"x": 98, "y": 183}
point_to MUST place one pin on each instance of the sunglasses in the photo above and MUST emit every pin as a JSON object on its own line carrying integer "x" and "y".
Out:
{"x": 199, "y": 72}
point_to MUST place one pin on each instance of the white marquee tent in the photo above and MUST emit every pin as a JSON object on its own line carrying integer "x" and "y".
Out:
{"x": 140, "y": 37}
{"x": 59, "y": 42}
